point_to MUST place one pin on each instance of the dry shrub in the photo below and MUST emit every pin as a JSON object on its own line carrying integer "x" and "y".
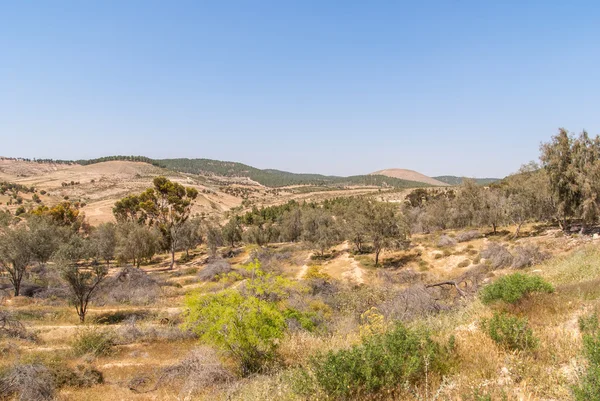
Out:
{"x": 199, "y": 370}
{"x": 131, "y": 332}
{"x": 498, "y": 255}
{"x": 414, "y": 302}
{"x": 11, "y": 327}
{"x": 130, "y": 286}
{"x": 404, "y": 276}
{"x": 528, "y": 255}
{"x": 270, "y": 260}
{"x": 446, "y": 241}
{"x": 27, "y": 383}
{"x": 468, "y": 236}
{"x": 214, "y": 270}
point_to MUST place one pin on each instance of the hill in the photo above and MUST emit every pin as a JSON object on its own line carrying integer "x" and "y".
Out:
{"x": 409, "y": 175}
{"x": 268, "y": 177}
{"x": 454, "y": 180}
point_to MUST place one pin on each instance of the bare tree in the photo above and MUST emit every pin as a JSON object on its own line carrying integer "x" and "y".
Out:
{"x": 83, "y": 280}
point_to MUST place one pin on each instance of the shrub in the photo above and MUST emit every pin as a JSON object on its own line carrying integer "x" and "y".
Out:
{"x": 247, "y": 327}
{"x": 510, "y": 332}
{"x": 464, "y": 263}
{"x": 379, "y": 364}
{"x": 446, "y": 241}
{"x": 514, "y": 287}
{"x": 199, "y": 370}
{"x": 94, "y": 341}
{"x": 130, "y": 286}
{"x": 498, "y": 255}
{"x": 438, "y": 255}
{"x": 589, "y": 386}
{"x": 11, "y": 327}
{"x": 27, "y": 383}
{"x": 528, "y": 255}
{"x": 468, "y": 236}
{"x": 214, "y": 270}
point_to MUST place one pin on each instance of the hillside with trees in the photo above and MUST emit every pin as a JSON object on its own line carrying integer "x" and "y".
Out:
{"x": 469, "y": 292}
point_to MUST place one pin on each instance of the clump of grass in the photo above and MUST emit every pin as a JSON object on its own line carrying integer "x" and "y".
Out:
{"x": 588, "y": 388}
{"x": 464, "y": 263}
{"x": 512, "y": 288}
{"x": 94, "y": 341}
{"x": 510, "y": 332}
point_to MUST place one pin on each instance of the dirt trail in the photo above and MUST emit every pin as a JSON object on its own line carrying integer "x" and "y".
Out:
{"x": 304, "y": 267}
{"x": 356, "y": 272}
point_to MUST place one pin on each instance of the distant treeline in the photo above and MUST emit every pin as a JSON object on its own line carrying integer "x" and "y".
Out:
{"x": 454, "y": 180}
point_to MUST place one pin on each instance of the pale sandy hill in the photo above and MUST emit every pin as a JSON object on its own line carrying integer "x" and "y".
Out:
{"x": 409, "y": 175}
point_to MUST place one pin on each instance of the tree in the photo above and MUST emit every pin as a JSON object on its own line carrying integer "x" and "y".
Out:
{"x": 320, "y": 230}
{"x": 494, "y": 208}
{"x": 191, "y": 234}
{"x": 557, "y": 160}
{"x": 83, "y": 281}
{"x": 168, "y": 205}
{"x": 104, "y": 242}
{"x": 15, "y": 255}
{"x": 46, "y": 237}
{"x": 291, "y": 225}
{"x": 386, "y": 228}
{"x": 355, "y": 226}
{"x": 128, "y": 210}
{"x": 136, "y": 242}
{"x": 232, "y": 231}
{"x": 214, "y": 237}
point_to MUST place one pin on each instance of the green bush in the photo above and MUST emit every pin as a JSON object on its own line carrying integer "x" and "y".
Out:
{"x": 514, "y": 287}
{"x": 589, "y": 386}
{"x": 510, "y": 332}
{"x": 94, "y": 341}
{"x": 247, "y": 327}
{"x": 380, "y": 364}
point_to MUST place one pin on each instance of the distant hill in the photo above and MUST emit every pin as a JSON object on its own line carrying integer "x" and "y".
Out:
{"x": 454, "y": 180}
{"x": 278, "y": 178}
{"x": 268, "y": 177}
{"x": 409, "y": 175}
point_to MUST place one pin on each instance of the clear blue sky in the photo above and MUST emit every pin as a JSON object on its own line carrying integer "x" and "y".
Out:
{"x": 335, "y": 87}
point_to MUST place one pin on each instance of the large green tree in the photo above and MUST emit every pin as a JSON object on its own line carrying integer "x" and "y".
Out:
{"x": 166, "y": 206}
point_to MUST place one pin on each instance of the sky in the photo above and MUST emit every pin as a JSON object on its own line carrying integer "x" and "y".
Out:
{"x": 334, "y": 87}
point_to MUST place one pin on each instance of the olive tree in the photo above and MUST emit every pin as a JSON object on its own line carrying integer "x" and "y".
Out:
{"x": 16, "y": 255}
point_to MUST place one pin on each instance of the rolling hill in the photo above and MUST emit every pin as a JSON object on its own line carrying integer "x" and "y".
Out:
{"x": 409, "y": 175}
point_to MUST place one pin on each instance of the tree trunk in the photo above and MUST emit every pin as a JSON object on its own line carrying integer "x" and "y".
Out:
{"x": 494, "y": 227}
{"x": 377, "y": 257}
{"x": 172, "y": 258}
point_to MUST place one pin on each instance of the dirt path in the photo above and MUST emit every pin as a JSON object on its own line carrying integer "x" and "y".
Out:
{"x": 356, "y": 272}
{"x": 304, "y": 267}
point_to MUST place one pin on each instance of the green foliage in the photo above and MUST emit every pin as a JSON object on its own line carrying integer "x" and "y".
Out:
{"x": 510, "y": 332}
{"x": 381, "y": 364}
{"x": 514, "y": 287}
{"x": 589, "y": 387}
{"x": 454, "y": 180}
{"x": 94, "y": 341}
{"x": 247, "y": 327}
